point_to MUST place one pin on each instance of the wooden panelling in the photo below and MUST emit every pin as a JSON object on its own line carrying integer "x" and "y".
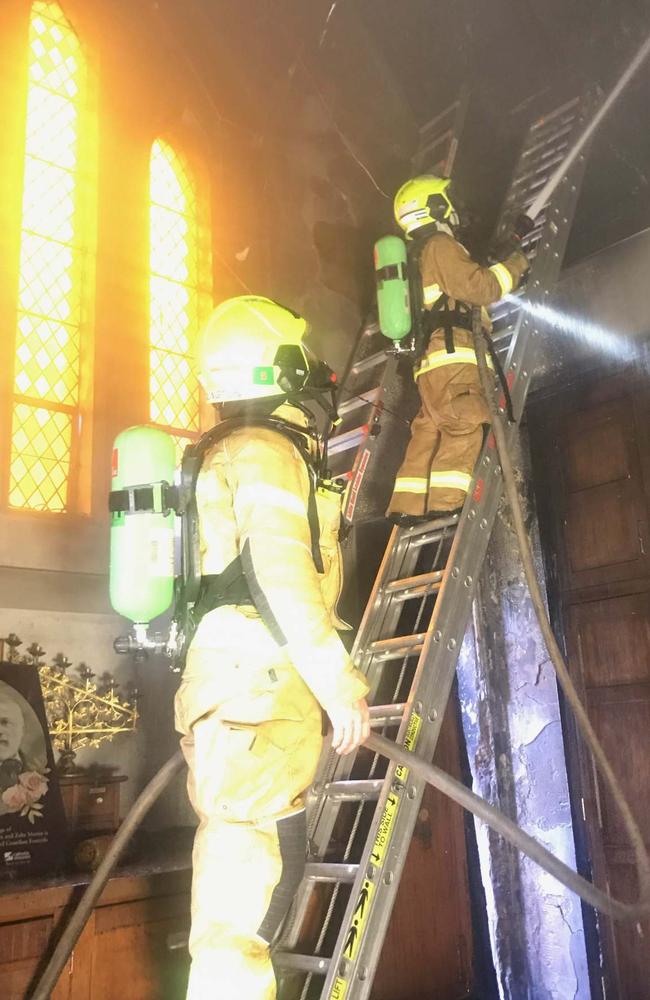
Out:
{"x": 600, "y": 447}
{"x": 21, "y": 947}
{"x": 122, "y": 952}
{"x": 621, "y": 718}
{"x": 612, "y": 638}
{"x": 130, "y": 946}
{"x": 606, "y": 531}
{"x": 591, "y": 452}
{"x": 632, "y": 941}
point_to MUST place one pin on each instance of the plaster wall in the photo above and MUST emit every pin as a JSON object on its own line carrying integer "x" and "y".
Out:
{"x": 511, "y": 720}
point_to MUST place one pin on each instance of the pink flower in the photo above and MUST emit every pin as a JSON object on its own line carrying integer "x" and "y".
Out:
{"x": 34, "y": 784}
{"x": 15, "y": 798}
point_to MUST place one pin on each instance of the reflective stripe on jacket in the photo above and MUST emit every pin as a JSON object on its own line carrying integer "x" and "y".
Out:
{"x": 440, "y": 359}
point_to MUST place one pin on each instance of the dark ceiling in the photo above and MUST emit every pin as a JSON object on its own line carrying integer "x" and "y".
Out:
{"x": 520, "y": 57}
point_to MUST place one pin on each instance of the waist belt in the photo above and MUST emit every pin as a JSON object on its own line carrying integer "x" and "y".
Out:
{"x": 441, "y": 316}
{"x": 219, "y": 589}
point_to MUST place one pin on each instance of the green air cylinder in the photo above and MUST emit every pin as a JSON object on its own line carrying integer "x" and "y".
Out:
{"x": 393, "y": 299}
{"x": 142, "y": 543}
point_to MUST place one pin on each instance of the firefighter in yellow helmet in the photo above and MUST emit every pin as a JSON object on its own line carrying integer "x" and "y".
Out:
{"x": 266, "y": 658}
{"x": 447, "y": 433}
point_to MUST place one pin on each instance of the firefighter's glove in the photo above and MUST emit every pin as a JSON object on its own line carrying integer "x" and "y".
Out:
{"x": 523, "y": 226}
{"x": 518, "y": 265}
{"x": 350, "y": 725}
{"x": 505, "y": 246}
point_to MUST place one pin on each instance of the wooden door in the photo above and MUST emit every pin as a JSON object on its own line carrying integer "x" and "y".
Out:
{"x": 591, "y": 454}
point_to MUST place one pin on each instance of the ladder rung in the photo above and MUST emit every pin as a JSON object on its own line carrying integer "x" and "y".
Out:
{"x": 381, "y": 714}
{"x": 552, "y": 143}
{"x": 370, "y": 362}
{"x": 368, "y": 397}
{"x": 301, "y": 963}
{"x": 415, "y": 586}
{"x": 400, "y": 645}
{"x": 425, "y": 534}
{"x": 354, "y": 790}
{"x": 571, "y": 104}
{"x": 350, "y": 439}
{"x": 326, "y": 871}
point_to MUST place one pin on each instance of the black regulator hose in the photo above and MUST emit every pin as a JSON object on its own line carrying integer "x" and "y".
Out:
{"x": 132, "y": 821}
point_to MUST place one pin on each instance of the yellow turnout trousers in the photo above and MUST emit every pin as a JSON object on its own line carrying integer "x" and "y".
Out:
{"x": 446, "y": 434}
{"x": 251, "y": 735}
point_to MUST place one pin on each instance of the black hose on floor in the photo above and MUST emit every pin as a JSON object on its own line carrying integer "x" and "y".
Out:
{"x": 78, "y": 920}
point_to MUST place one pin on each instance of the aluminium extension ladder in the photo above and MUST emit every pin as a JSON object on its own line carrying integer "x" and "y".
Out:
{"x": 362, "y": 809}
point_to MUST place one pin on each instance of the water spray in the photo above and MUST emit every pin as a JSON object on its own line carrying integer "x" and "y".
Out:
{"x": 592, "y": 335}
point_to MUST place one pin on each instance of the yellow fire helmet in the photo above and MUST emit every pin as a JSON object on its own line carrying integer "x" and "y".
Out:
{"x": 251, "y": 348}
{"x": 424, "y": 201}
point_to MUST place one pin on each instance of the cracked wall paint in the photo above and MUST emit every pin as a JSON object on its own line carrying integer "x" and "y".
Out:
{"x": 511, "y": 720}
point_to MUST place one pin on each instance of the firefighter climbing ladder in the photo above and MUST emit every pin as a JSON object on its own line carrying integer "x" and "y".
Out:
{"x": 362, "y": 809}
{"x": 372, "y": 383}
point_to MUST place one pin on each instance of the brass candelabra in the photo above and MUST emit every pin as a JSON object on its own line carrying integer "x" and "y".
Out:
{"x": 81, "y": 712}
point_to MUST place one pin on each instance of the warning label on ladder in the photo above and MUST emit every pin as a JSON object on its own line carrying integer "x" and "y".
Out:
{"x": 385, "y": 829}
{"x": 410, "y": 741}
{"x": 377, "y": 858}
{"x": 359, "y": 919}
{"x": 339, "y": 989}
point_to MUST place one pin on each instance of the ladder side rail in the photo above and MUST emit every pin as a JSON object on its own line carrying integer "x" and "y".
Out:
{"x": 333, "y": 767}
{"x": 436, "y": 668}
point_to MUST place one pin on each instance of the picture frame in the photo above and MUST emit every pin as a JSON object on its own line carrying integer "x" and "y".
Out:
{"x": 32, "y": 819}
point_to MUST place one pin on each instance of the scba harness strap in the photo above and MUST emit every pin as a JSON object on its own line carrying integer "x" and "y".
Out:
{"x": 440, "y": 316}
{"x": 203, "y": 594}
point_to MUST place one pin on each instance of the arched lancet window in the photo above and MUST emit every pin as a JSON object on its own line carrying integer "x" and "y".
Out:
{"x": 54, "y": 254}
{"x": 177, "y": 289}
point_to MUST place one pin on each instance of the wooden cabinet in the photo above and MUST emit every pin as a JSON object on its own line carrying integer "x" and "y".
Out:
{"x": 91, "y": 802}
{"x": 123, "y": 950}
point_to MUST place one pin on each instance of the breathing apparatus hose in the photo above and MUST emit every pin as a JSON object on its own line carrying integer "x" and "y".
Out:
{"x": 77, "y": 922}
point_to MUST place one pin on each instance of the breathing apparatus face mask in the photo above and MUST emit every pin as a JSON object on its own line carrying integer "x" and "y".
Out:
{"x": 300, "y": 376}
{"x": 315, "y": 382}
{"x": 439, "y": 208}
{"x": 300, "y": 371}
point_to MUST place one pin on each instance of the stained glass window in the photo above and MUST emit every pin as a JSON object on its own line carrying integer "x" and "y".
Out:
{"x": 47, "y": 359}
{"x": 175, "y": 292}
